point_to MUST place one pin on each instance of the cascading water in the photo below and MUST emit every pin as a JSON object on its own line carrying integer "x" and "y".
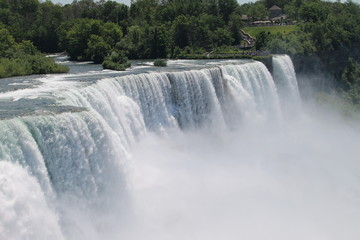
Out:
{"x": 284, "y": 76}
{"x": 204, "y": 153}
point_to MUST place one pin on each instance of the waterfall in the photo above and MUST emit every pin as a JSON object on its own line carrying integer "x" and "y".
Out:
{"x": 85, "y": 160}
{"x": 285, "y": 79}
{"x": 252, "y": 92}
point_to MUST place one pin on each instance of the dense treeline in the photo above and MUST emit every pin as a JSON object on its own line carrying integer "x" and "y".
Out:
{"x": 146, "y": 29}
{"x": 109, "y": 32}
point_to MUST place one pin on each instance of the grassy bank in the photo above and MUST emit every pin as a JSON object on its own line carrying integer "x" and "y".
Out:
{"x": 253, "y": 31}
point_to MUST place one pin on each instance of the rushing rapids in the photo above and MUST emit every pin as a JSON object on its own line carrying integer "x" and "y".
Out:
{"x": 80, "y": 172}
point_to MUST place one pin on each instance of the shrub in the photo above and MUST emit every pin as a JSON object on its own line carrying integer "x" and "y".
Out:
{"x": 29, "y": 64}
{"x": 160, "y": 63}
{"x": 116, "y": 61}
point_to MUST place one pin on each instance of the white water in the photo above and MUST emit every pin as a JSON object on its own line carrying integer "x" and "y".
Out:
{"x": 203, "y": 154}
{"x": 24, "y": 212}
{"x": 284, "y": 76}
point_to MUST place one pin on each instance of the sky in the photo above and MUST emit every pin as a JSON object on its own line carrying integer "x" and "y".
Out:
{"x": 128, "y": 1}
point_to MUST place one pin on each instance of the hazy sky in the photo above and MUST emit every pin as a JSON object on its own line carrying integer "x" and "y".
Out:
{"x": 128, "y": 1}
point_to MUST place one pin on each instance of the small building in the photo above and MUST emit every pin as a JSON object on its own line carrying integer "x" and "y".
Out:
{"x": 275, "y": 12}
{"x": 280, "y": 18}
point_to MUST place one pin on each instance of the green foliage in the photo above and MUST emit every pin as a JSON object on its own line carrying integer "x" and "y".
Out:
{"x": 292, "y": 9}
{"x": 23, "y": 58}
{"x": 226, "y": 50}
{"x": 29, "y": 64}
{"x": 160, "y": 63}
{"x": 186, "y": 31}
{"x": 253, "y": 31}
{"x": 97, "y": 49}
{"x": 313, "y": 11}
{"x": 262, "y": 40}
{"x": 27, "y": 47}
{"x": 7, "y": 42}
{"x": 42, "y": 65}
{"x": 43, "y": 34}
{"x": 292, "y": 44}
{"x": 182, "y": 53}
{"x": 115, "y": 12}
{"x": 88, "y": 39}
{"x": 255, "y": 11}
{"x": 135, "y": 43}
{"x": 235, "y": 24}
{"x": 116, "y": 61}
{"x": 221, "y": 37}
{"x": 226, "y": 8}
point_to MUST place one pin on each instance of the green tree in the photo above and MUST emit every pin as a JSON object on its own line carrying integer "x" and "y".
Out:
{"x": 226, "y": 8}
{"x": 158, "y": 42}
{"x": 235, "y": 25}
{"x": 313, "y": 11}
{"x": 75, "y": 36}
{"x": 262, "y": 40}
{"x": 143, "y": 11}
{"x": 7, "y": 43}
{"x": 255, "y": 11}
{"x": 48, "y": 18}
{"x": 221, "y": 37}
{"x": 97, "y": 49}
{"x": 189, "y": 31}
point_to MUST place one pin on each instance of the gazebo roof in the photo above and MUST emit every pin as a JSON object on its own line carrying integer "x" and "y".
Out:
{"x": 274, "y": 8}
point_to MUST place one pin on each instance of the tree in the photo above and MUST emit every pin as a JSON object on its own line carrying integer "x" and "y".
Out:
{"x": 235, "y": 25}
{"x": 262, "y": 39}
{"x": 181, "y": 31}
{"x": 7, "y": 42}
{"x": 226, "y": 8}
{"x": 115, "y": 12}
{"x": 143, "y": 11}
{"x": 97, "y": 49}
{"x": 189, "y": 31}
{"x": 158, "y": 42}
{"x": 75, "y": 36}
{"x": 313, "y": 11}
{"x": 221, "y": 37}
{"x": 48, "y": 18}
{"x": 255, "y": 11}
